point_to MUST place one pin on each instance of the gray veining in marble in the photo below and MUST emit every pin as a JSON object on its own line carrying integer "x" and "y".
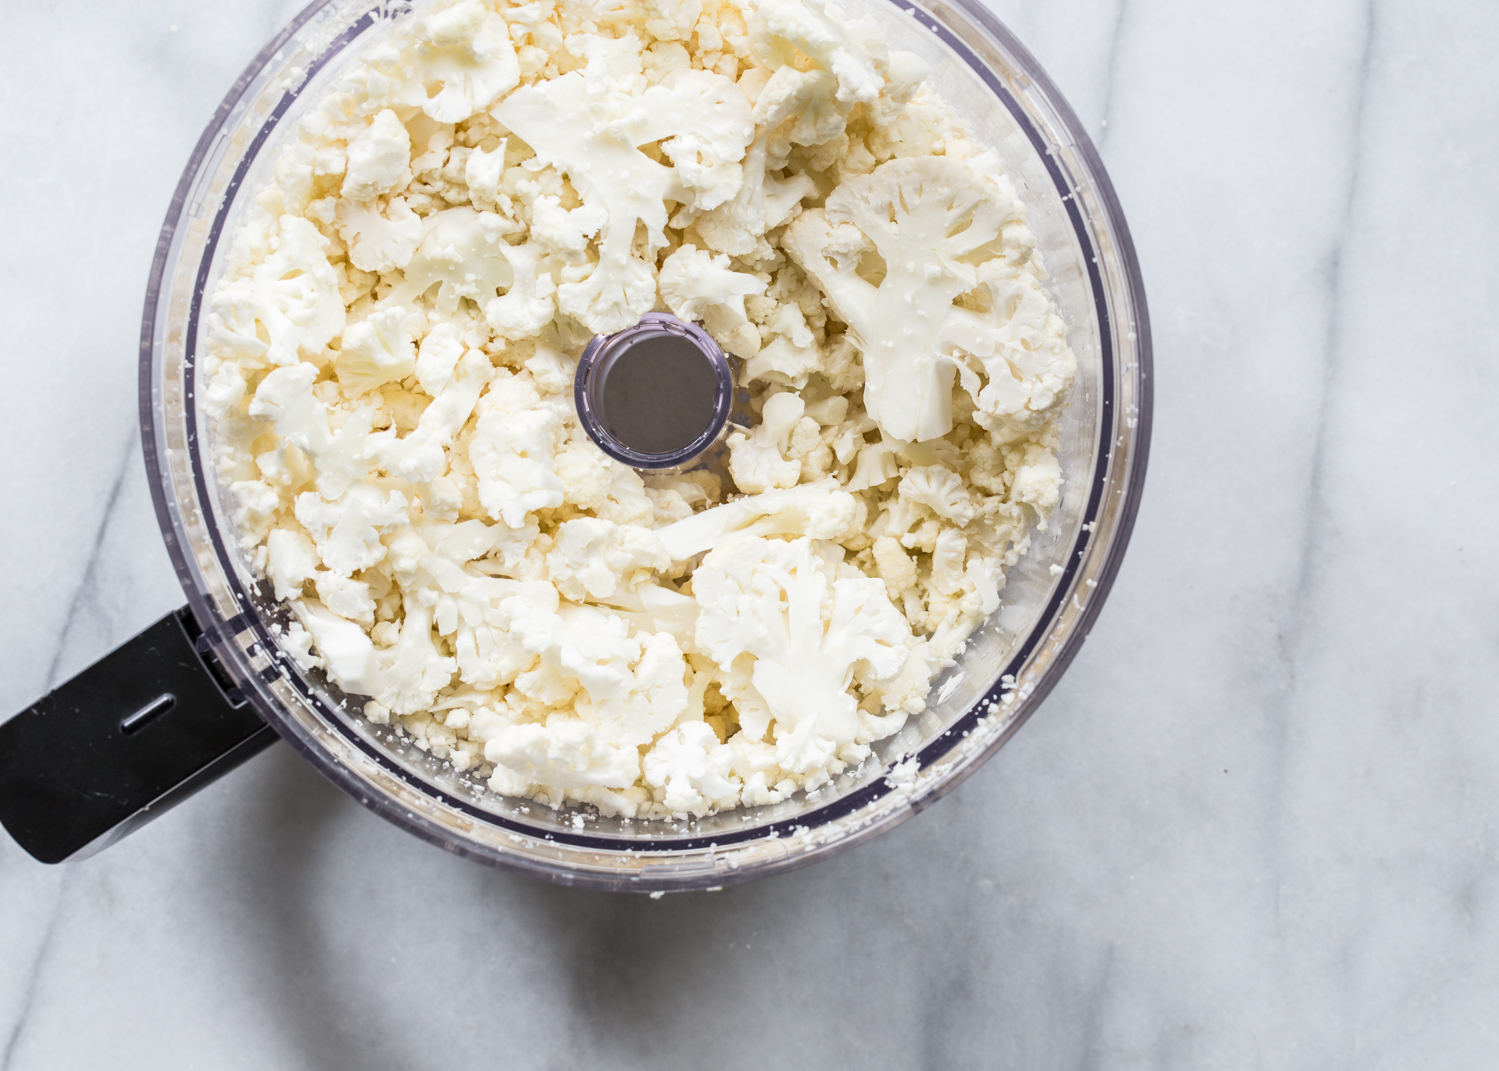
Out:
{"x": 1255, "y": 827}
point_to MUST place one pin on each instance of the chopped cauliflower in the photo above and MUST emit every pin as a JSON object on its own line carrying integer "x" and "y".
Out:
{"x": 700, "y": 286}
{"x": 808, "y": 621}
{"x": 757, "y": 459}
{"x": 935, "y": 226}
{"x": 389, "y": 369}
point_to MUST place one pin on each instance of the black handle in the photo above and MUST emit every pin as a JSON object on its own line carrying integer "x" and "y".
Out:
{"x": 137, "y": 732}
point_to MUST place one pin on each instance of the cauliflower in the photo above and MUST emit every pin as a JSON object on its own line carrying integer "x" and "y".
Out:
{"x": 1031, "y": 369}
{"x": 757, "y": 459}
{"x": 939, "y": 489}
{"x": 390, "y": 361}
{"x": 379, "y": 242}
{"x": 962, "y": 591}
{"x": 438, "y": 356}
{"x": 527, "y": 306}
{"x": 291, "y": 561}
{"x": 482, "y": 173}
{"x": 655, "y": 608}
{"x": 894, "y": 565}
{"x": 1037, "y": 482}
{"x": 791, "y": 355}
{"x": 379, "y": 159}
{"x": 285, "y": 398}
{"x": 291, "y": 297}
{"x": 692, "y": 771}
{"x": 564, "y": 752}
{"x": 587, "y": 129}
{"x": 809, "y": 621}
{"x": 633, "y": 690}
{"x": 810, "y": 97}
{"x": 933, "y": 224}
{"x": 431, "y": 564}
{"x": 419, "y": 456}
{"x": 853, "y": 52}
{"x": 762, "y": 204}
{"x": 465, "y": 255}
{"x": 375, "y": 352}
{"x": 819, "y": 510}
{"x": 564, "y": 232}
{"x": 512, "y": 451}
{"x": 593, "y": 558}
{"x": 697, "y": 285}
{"x": 347, "y": 529}
{"x": 466, "y": 50}
{"x": 875, "y": 464}
{"x": 444, "y": 593}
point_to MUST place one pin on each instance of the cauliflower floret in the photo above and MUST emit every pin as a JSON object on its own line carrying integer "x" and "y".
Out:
{"x": 692, "y": 772}
{"x": 564, "y": 232}
{"x": 932, "y": 221}
{"x": 346, "y": 597}
{"x": 1031, "y": 368}
{"x": 626, "y": 501}
{"x": 854, "y": 52}
{"x": 465, "y": 255}
{"x": 291, "y": 296}
{"x": 291, "y": 561}
{"x": 347, "y": 530}
{"x": 634, "y": 690}
{"x": 375, "y": 352}
{"x": 697, "y": 285}
{"x": 564, "y": 752}
{"x": 586, "y": 472}
{"x": 757, "y": 460}
{"x": 379, "y": 160}
{"x": 512, "y": 451}
{"x": 710, "y": 121}
{"x": 431, "y": 565}
{"x": 810, "y": 97}
{"x": 762, "y": 204}
{"x": 586, "y": 128}
{"x": 528, "y": 305}
{"x": 255, "y": 505}
{"x": 674, "y": 498}
{"x": 482, "y": 172}
{"x": 791, "y": 354}
{"x": 1038, "y": 482}
{"x": 876, "y": 464}
{"x": 819, "y": 510}
{"x": 939, "y": 489}
{"x": 669, "y": 20}
{"x": 962, "y": 591}
{"x": 466, "y": 49}
{"x": 379, "y": 242}
{"x": 419, "y": 456}
{"x": 895, "y": 566}
{"x": 593, "y": 558}
{"x": 808, "y": 621}
{"x": 285, "y": 398}
{"x": 438, "y": 356}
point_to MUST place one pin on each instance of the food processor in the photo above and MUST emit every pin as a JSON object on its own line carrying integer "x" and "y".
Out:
{"x": 213, "y": 683}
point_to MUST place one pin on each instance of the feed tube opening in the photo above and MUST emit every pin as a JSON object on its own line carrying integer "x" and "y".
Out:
{"x": 655, "y": 395}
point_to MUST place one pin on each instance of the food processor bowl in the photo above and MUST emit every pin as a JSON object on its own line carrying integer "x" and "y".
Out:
{"x": 1051, "y": 599}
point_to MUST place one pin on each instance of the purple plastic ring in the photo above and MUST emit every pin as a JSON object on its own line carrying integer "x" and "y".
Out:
{"x": 653, "y": 423}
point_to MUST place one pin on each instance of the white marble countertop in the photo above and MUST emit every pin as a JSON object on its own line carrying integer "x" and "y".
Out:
{"x": 1255, "y": 826}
